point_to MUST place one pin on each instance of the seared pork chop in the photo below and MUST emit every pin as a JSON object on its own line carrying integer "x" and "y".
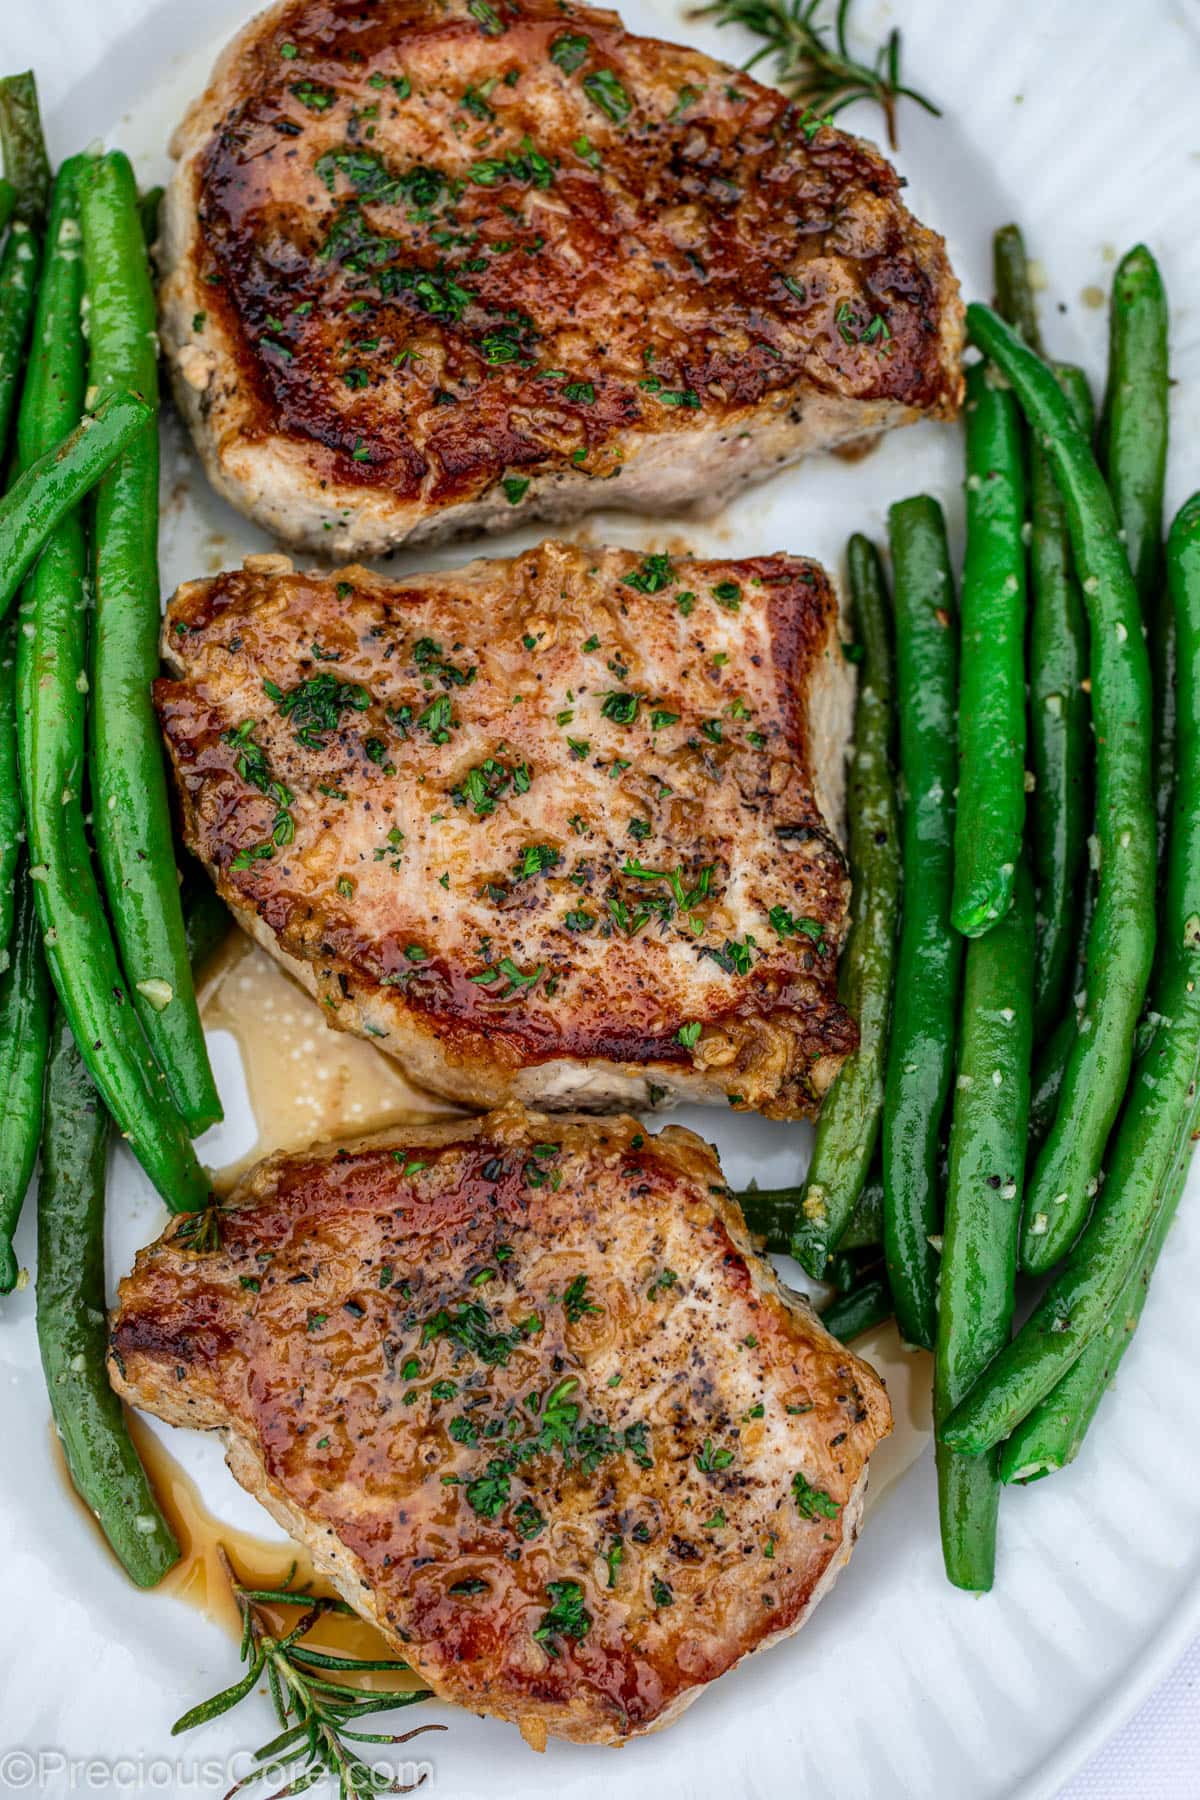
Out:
{"x": 532, "y": 1400}
{"x": 439, "y": 267}
{"x": 556, "y": 829}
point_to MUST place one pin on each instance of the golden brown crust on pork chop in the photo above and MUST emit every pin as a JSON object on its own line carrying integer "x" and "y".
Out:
{"x": 532, "y": 1399}
{"x": 435, "y": 268}
{"x": 555, "y": 829}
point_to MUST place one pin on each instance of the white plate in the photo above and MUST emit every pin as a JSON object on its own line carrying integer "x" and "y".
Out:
{"x": 1080, "y": 120}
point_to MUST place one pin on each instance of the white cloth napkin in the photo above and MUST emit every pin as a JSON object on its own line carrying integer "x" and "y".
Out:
{"x": 1157, "y": 1755}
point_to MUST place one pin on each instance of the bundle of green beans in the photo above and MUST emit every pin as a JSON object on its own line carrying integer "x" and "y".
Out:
{"x": 122, "y": 1040}
{"x": 125, "y": 987}
{"x": 1056, "y": 1062}
{"x": 1026, "y": 1412}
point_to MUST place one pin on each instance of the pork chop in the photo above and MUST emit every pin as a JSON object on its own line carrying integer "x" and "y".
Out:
{"x": 435, "y": 268}
{"x": 531, "y": 1398}
{"x": 557, "y": 829}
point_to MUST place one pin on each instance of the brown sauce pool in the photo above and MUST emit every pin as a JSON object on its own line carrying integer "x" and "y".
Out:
{"x": 307, "y": 1083}
{"x": 200, "y": 1578}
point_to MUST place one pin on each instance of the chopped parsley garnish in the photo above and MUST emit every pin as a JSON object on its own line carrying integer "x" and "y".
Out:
{"x": 570, "y": 51}
{"x": 487, "y": 18}
{"x": 683, "y": 898}
{"x": 489, "y": 781}
{"x": 689, "y": 1034}
{"x": 420, "y": 188}
{"x": 474, "y": 100}
{"x": 652, "y": 575}
{"x": 660, "y": 1593}
{"x": 253, "y": 767}
{"x": 566, "y": 1617}
{"x": 811, "y": 122}
{"x": 637, "y": 1442}
{"x": 525, "y": 167}
{"x": 436, "y": 719}
{"x": 470, "y": 1327}
{"x": 785, "y": 924}
{"x": 622, "y": 709}
{"x": 614, "y": 1556}
{"x": 810, "y": 1500}
{"x": 536, "y": 859}
{"x": 687, "y": 397}
{"x": 603, "y": 88}
{"x": 666, "y": 1278}
{"x": 515, "y": 488}
{"x": 315, "y": 706}
{"x": 734, "y": 957}
{"x": 312, "y": 95}
{"x": 710, "y": 1460}
{"x": 516, "y": 979}
{"x": 528, "y": 1522}
{"x": 392, "y": 852}
{"x": 576, "y": 1302}
{"x": 503, "y": 345}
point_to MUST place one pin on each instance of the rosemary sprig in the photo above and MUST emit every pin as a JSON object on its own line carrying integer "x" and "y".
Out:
{"x": 820, "y": 74}
{"x": 201, "y": 1231}
{"x": 316, "y": 1714}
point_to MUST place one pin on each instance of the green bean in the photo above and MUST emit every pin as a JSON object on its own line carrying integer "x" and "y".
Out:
{"x": 1014, "y": 289}
{"x": 18, "y": 285}
{"x": 1120, "y": 946}
{"x": 988, "y": 1133}
{"x": 1133, "y": 455}
{"x": 849, "y": 1124}
{"x": 929, "y": 957}
{"x": 25, "y": 161}
{"x": 48, "y": 489}
{"x": 52, "y": 684}
{"x": 149, "y": 203}
{"x": 866, "y": 1221}
{"x": 1132, "y": 452}
{"x": 770, "y": 1213}
{"x": 862, "y": 1309}
{"x": 129, "y": 792}
{"x": 71, "y": 1320}
{"x": 24, "y": 1027}
{"x": 1157, "y": 1119}
{"x": 12, "y": 819}
{"x": 206, "y": 918}
{"x": 990, "y": 813}
{"x": 8, "y": 201}
{"x": 1133, "y": 425}
{"x": 1059, "y": 724}
{"x": 1047, "y": 1080}
{"x": 1052, "y": 1055}
{"x": 1050, "y": 1435}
